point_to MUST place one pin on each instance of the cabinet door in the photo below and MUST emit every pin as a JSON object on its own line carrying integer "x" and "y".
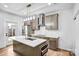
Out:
{"x": 51, "y": 22}
{"x": 53, "y": 44}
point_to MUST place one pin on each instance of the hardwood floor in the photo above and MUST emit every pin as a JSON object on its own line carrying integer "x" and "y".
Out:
{"x": 58, "y": 53}
{"x": 8, "y": 51}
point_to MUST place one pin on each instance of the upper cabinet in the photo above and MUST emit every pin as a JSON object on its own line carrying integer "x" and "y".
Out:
{"x": 37, "y": 22}
{"x": 51, "y": 22}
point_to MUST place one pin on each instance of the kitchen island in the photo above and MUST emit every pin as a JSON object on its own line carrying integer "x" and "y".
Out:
{"x": 30, "y": 46}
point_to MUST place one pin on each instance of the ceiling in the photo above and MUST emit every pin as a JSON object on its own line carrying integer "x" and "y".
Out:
{"x": 21, "y": 9}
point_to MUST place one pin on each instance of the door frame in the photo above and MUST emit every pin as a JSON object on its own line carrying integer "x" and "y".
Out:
{"x": 6, "y": 30}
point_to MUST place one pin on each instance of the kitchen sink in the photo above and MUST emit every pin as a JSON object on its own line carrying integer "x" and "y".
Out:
{"x": 30, "y": 39}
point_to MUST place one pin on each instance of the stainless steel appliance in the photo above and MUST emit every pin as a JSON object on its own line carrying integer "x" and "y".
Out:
{"x": 44, "y": 49}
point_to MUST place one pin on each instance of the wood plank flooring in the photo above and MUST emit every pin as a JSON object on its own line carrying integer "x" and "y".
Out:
{"x": 8, "y": 51}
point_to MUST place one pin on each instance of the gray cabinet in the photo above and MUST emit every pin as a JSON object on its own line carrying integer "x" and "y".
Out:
{"x": 26, "y": 50}
{"x": 51, "y": 22}
{"x": 53, "y": 43}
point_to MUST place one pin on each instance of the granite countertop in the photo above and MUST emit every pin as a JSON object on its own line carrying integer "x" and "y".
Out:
{"x": 31, "y": 43}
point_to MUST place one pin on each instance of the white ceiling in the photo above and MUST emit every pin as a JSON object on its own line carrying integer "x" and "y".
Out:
{"x": 21, "y": 9}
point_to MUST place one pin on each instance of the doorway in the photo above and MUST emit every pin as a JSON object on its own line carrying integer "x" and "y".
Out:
{"x": 11, "y": 29}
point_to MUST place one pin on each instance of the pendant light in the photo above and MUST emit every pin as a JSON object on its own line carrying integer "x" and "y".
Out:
{"x": 28, "y": 17}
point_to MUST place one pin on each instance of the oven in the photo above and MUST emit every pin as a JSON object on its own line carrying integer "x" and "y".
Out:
{"x": 44, "y": 49}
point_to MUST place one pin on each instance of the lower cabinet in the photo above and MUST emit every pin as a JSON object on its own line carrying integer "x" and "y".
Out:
{"x": 53, "y": 43}
{"x": 26, "y": 50}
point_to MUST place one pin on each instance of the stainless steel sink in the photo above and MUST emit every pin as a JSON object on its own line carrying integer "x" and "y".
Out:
{"x": 30, "y": 39}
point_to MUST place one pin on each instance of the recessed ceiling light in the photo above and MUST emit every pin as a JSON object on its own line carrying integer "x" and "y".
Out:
{"x": 6, "y": 6}
{"x": 49, "y": 3}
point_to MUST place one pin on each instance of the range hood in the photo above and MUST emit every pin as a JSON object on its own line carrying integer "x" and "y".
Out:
{"x": 41, "y": 20}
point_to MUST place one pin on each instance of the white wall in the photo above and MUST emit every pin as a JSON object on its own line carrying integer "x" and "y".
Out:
{"x": 4, "y": 18}
{"x": 76, "y": 29}
{"x": 2, "y": 42}
{"x": 66, "y": 22}
{"x": 76, "y": 36}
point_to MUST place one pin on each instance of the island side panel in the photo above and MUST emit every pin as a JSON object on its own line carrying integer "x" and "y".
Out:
{"x": 26, "y": 50}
